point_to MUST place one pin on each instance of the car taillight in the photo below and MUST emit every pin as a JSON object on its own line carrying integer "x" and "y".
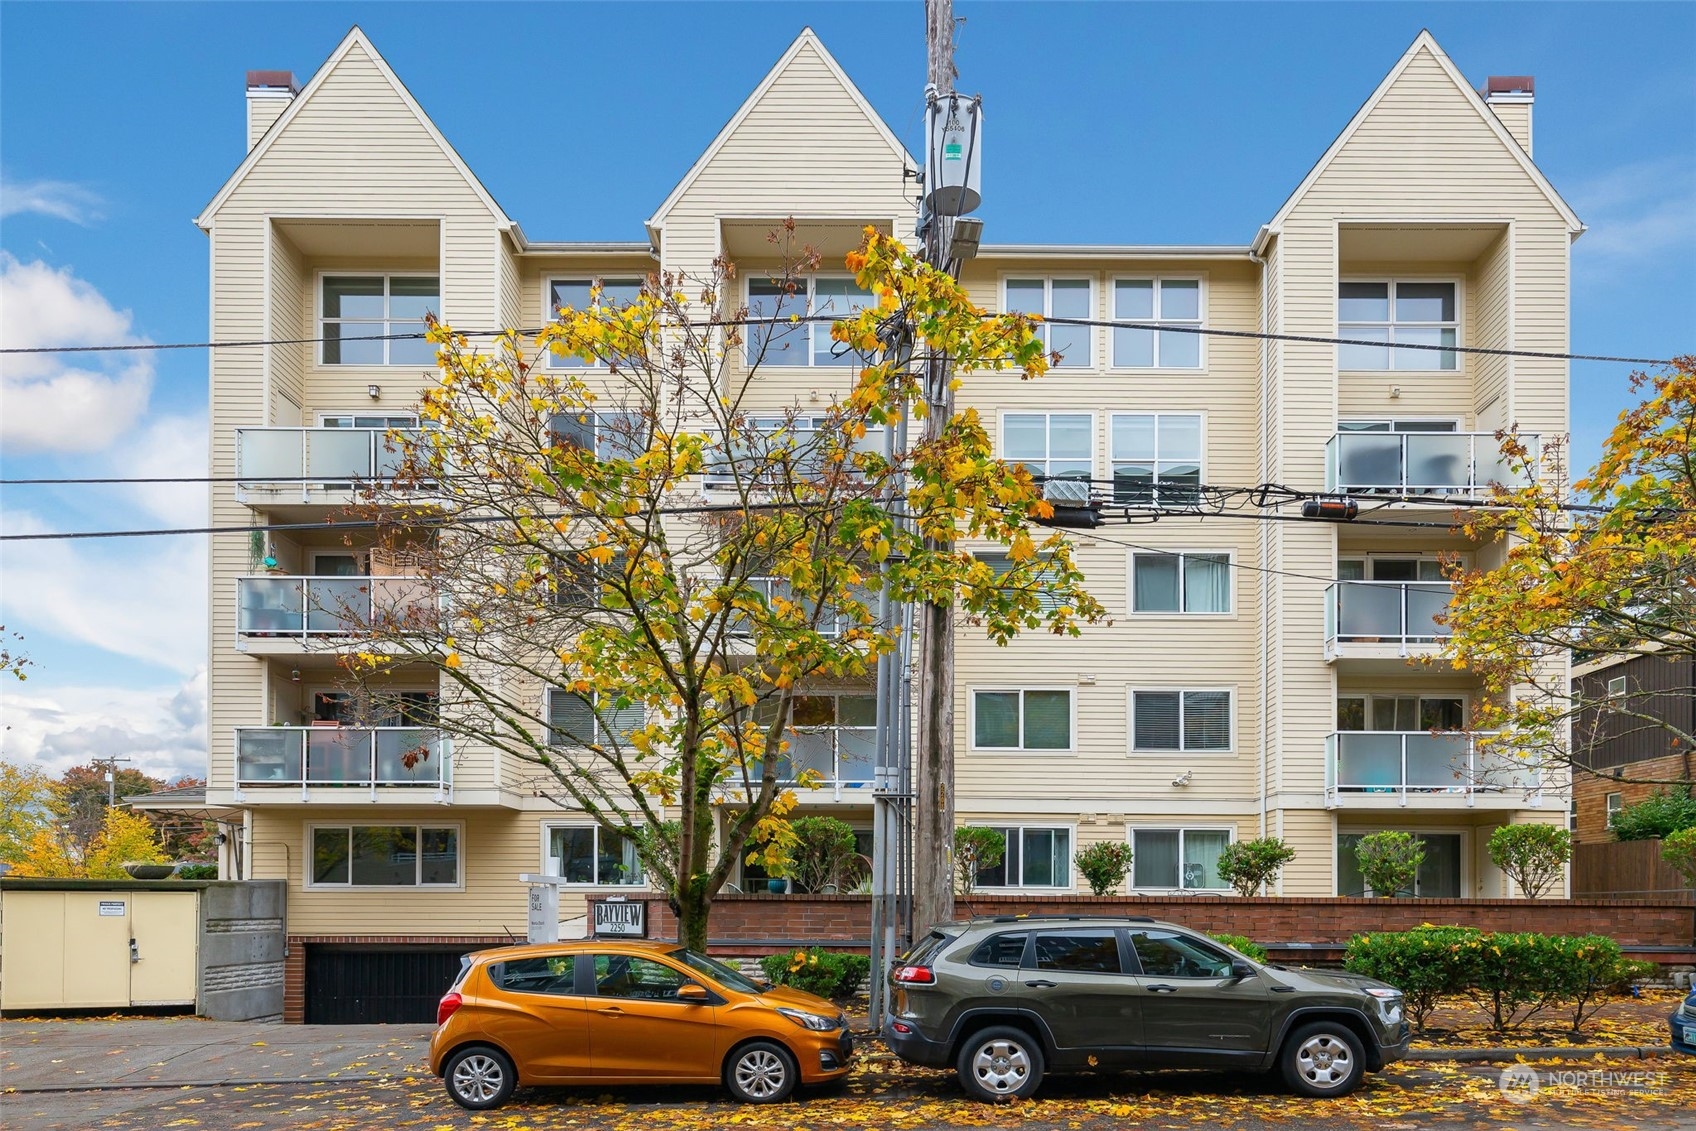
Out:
{"x": 445, "y": 1008}
{"x": 915, "y": 976}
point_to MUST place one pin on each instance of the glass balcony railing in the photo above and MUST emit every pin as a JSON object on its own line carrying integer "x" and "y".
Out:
{"x": 273, "y": 606}
{"x": 840, "y": 756}
{"x": 1420, "y": 463}
{"x": 314, "y": 460}
{"x": 336, "y": 755}
{"x": 1386, "y": 612}
{"x": 1400, "y": 764}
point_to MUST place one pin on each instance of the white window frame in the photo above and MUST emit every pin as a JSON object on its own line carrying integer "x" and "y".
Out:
{"x": 1618, "y": 687}
{"x": 1468, "y": 881}
{"x": 1048, "y": 456}
{"x": 1199, "y": 322}
{"x": 1369, "y": 560}
{"x": 602, "y": 737}
{"x": 310, "y": 884}
{"x": 1020, "y": 689}
{"x": 1131, "y": 722}
{"x": 1131, "y": 832}
{"x": 1459, "y": 283}
{"x": 813, "y": 328}
{"x": 1048, "y": 600}
{"x": 323, "y": 417}
{"x": 1455, "y": 424}
{"x": 318, "y": 319}
{"x": 1230, "y": 557}
{"x": 1612, "y": 803}
{"x": 548, "y": 828}
{"x": 1114, "y": 459}
{"x": 550, "y": 313}
{"x": 1005, "y": 827}
{"x": 1092, "y": 332}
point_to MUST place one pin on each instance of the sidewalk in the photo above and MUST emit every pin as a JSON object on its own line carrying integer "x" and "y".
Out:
{"x": 157, "y": 1052}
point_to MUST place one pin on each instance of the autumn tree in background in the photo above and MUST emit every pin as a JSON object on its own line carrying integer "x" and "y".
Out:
{"x": 1617, "y": 580}
{"x": 643, "y": 561}
{"x": 80, "y": 800}
{"x": 123, "y": 837}
{"x": 26, "y": 808}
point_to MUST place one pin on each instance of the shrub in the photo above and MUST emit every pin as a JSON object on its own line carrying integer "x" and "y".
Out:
{"x": 1249, "y": 865}
{"x": 197, "y": 872}
{"x": 1389, "y": 861}
{"x": 825, "y": 973}
{"x": 1105, "y": 865}
{"x": 823, "y": 851}
{"x": 1424, "y": 964}
{"x": 1679, "y": 850}
{"x": 976, "y": 849}
{"x": 1242, "y": 946}
{"x": 1532, "y": 856}
{"x": 1587, "y": 966}
{"x": 1659, "y": 815}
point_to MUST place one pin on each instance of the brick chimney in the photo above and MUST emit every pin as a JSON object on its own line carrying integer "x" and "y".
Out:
{"x": 268, "y": 95}
{"x": 1510, "y": 96}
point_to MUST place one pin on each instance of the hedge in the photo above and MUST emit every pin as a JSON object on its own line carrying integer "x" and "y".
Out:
{"x": 825, "y": 973}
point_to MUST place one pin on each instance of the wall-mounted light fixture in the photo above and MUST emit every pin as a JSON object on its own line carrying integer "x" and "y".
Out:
{"x": 294, "y": 675}
{"x": 373, "y": 391}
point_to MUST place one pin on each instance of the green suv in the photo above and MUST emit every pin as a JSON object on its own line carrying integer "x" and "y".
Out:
{"x": 1005, "y": 1000}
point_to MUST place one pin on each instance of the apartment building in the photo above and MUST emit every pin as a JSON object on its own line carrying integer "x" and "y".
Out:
{"x": 1260, "y": 677}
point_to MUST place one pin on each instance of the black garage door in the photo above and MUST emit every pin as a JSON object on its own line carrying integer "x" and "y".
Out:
{"x": 365, "y": 985}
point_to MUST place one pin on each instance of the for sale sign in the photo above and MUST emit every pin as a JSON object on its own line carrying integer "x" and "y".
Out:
{"x": 621, "y": 919}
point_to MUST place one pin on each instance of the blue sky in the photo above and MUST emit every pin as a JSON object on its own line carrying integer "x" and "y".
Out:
{"x": 1107, "y": 123}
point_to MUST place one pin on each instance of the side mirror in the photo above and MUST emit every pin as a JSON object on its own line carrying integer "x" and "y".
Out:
{"x": 694, "y": 993}
{"x": 1241, "y": 969}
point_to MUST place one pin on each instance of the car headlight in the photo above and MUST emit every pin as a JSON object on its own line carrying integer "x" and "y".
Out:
{"x": 815, "y": 1021}
{"x": 1389, "y": 1002}
{"x": 1687, "y": 1008}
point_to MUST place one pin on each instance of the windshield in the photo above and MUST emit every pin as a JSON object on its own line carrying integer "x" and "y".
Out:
{"x": 719, "y": 972}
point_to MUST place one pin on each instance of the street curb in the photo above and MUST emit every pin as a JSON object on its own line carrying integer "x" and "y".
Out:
{"x": 1538, "y": 1053}
{"x": 126, "y": 1086}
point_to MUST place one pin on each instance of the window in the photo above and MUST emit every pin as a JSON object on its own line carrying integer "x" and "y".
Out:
{"x": 1180, "y": 720}
{"x": 771, "y": 449}
{"x": 1613, "y": 804}
{"x": 1079, "y": 952}
{"x": 588, "y": 854}
{"x": 1022, "y": 720}
{"x": 1178, "y": 858}
{"x": 1000, "y": 950}
{"x": 360, "y": 310}
{"x": 1048, "y": 598}
{"x": 1400, "y": 712}
{"x": 555, "y": 974}
{"x": 627, "y": 976}
{"x": 806, "y": 341}
{"x": 574, "y": 720}
{"x": 385, "y": 856}
{"x": 1170, "y": 302}
{"x": 1389, "y": 569}
{"x": 1180, "y": 583}
{"x": 1396, "y": 313}
{"x": 576, "y": 294}
{"x": 1167, "y": 954}
{"x": 833, "y": 735}
{"x": 1058, "y": 445}
{"x": 580, "y": 580}
{"x": 1156, "y": 458}
{"x": 1617, "y": 687}
{"x": 367, "y": 420}
{"x": 1439, "y": 877}
{"x": 1036, "y": 858}
{"x": 1057, "y": 298}
{"x": 1396, "y": 426}
{"x": 610, "y": 435}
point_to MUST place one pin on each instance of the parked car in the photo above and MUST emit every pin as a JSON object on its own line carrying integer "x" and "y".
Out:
{"x": 1683, "y": 1023}
{"x": 595, "y": 1011}
{"x": 1006, "y": 1000}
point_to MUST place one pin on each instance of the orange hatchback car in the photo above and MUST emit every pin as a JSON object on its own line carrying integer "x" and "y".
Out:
{"x": 598, "y": 1011}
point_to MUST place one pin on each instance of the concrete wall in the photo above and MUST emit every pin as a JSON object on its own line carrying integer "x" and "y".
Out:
{"x": 242, "y": 951}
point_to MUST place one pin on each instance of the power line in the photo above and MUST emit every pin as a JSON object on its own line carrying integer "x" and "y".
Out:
{"x": 786, "y": 320}
{"x": 1230, "y": 561}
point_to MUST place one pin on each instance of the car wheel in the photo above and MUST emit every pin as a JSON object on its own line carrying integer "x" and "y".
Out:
{"x": 761, "y": 1072}
{"x": 1323, "y": 1059}
{"x": 999, "y": 1064}
{"x": 479, "y": 1077}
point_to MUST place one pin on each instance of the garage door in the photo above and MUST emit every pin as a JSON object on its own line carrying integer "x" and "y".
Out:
{"x": 367, "y": 985}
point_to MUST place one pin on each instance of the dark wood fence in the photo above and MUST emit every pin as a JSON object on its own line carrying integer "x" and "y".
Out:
{"x": 1627, "y": 869}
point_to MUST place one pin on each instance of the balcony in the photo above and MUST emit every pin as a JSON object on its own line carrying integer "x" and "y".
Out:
{"x": 843, "y": 757}
{"x": 286, "y": 615}
{"x": 1384, "y": 620}
{"x": 337, "y": 756}
{"x": 1424, "y": 770}
{"x": 1420, "y": 463}
{"x": 314, "y": 465}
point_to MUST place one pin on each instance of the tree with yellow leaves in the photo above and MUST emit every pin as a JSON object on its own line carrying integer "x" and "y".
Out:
{"x": 1615, "y": 578}
{"x": 644, "y": 553}
{"x": 124, "y": 837}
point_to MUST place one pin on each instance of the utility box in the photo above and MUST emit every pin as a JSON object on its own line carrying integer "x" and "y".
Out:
{"x": 953, "y": 154}
{"x": 99, "y": 949}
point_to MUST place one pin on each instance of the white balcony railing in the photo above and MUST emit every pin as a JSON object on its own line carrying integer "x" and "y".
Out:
{"x": 288, "y": 609}
{"x": 311, "y": 461}
{"x": 342, "y": 756}
{"x": 841, "y": 756}
{"x": 1368, "y": 766}
{"x": 1420, "y": 463}
{"x": 1401, "y": 614}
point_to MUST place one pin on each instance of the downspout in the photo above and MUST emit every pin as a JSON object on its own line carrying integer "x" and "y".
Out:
{"x": 1265, "y": 578}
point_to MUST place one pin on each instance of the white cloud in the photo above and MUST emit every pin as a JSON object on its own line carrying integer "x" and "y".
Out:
{"x": 143, "y": 598}
{"x": 1637, "y": 212}
{"x": 64, "y": 402}
{"x": 62, "y": 200}
{"x": 162, "y": 730}
{"x": 167, "y": 446}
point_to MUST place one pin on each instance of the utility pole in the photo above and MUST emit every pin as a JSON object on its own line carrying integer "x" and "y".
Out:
{"x": 111, "y": 765}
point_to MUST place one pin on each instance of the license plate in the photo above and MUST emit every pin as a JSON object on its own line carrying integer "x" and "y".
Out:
{"x": 1690, "y": 1034}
